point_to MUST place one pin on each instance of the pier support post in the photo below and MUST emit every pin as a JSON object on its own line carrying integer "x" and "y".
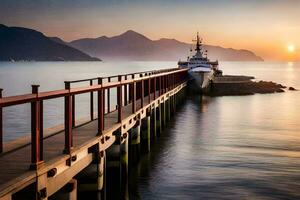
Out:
{"x": 91, "y": 180}
{"x": 168, "y": 109}
{"x": 171, "y": 105}
{"x": 68, "y": 192}
{"x": 117, "y": 168}
{"x": 174, "y": 103}
{"x": 134, "y": 140}
{"x": 72, "y": 189}
{"x": 153, "y": 130}
{"x": 101, "y": 175}
{"x": 158, "y": 120}
{"x": 145, "y": 135}
{"x": 163, "y": 115}
{"x": 124, "y": 167}
{"x": 113, "y": 172}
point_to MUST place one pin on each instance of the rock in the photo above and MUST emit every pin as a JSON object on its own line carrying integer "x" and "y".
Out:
{"x": 245, "y": 88}
{"x": 292, "y": 89}
{"x": 282, "y": 86}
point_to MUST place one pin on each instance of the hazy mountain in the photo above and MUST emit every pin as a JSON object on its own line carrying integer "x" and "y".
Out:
{"x": 134, "y": 46}
{"x": 58, "y": 40}
{"x": 18, "y": 43}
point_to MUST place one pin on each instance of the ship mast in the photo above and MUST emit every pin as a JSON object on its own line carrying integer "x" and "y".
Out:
{"x": 198, "y": 48}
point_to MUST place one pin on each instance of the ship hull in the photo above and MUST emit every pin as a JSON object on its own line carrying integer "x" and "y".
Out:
{"x": 200, "y": 81}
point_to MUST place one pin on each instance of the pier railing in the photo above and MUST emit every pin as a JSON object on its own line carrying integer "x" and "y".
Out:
{"x": 131, "y": 88}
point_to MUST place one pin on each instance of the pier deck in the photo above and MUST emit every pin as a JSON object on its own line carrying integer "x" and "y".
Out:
{"x": 68, "y": 151}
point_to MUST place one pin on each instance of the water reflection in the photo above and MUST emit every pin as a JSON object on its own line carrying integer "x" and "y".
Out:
{"x": 208, "y": 152}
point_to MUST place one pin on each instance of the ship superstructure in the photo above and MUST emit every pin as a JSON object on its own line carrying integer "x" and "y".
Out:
{"x": 201, "y": 69}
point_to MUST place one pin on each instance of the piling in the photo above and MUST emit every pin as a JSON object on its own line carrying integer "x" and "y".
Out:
{"x": 135, "y": 140}
{"x": 117, "y": 168}
{"x": 153, "y": 130}
{"x": 158, "y": 120}
{"x": 168, "y": 110}
{"x": 91, "y": 180}
{"x": 163, "y": 115}
{"x": 145, "y": 135}
{"x": 68, "y": 192}
{"x": 124, "y": 166}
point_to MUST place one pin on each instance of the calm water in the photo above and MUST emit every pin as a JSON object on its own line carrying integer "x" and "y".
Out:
{"x": 245, "y": 147}
{"x": 16, "y": 78}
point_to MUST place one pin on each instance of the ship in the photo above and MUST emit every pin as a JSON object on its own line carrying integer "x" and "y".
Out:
{"x": 200, "y": 69}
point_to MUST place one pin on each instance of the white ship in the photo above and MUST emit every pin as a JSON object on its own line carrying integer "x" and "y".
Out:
{"x": 201, "y": 69}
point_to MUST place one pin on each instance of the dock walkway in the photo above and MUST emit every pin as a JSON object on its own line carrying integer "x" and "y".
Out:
{"x": 51, "y": 162}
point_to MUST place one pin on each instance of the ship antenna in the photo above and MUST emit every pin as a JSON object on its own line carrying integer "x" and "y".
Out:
{"x": 198, "y": 43}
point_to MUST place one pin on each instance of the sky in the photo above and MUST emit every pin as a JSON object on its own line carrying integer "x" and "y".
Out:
{"x": 270, "y": 28}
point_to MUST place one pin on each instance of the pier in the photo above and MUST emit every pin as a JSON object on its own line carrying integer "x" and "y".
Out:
{"x": 78, "y": 154}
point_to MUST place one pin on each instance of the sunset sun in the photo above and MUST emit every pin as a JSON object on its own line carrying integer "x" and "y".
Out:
{"x": 291, "y": 48}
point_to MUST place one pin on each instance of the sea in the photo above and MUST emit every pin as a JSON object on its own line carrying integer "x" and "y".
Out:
{"x": 229, "y": 147}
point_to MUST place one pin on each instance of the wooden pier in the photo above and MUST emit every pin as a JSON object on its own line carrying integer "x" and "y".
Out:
{"x": 47, "y": 165}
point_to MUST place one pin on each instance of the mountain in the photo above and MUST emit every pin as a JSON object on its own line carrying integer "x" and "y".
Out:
{"x": 135, "y": 46}
{"x": 58, "y": 40}
{"x": 18, "y": 43}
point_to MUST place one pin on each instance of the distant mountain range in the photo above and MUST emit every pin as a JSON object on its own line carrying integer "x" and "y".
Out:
{"x": 18, "y": 44}
{"x": 135, "y": 46}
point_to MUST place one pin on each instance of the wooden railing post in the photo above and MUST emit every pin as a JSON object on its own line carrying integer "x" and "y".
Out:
{"x": 166, "y": 82}
{"x": 1, "y": 125}
{"x": 130, "y": 89}
{"x": 163, "y": 84}
{"x": 108, "y": 96}
{"x": 170, "y": 81}
{"x": 154, "y": 87}
{"x": 149, "y": 89}
{"x": 68, "y": 121}
{"x": 36, "y": 131}
{"x": 133, "y": 95}
{"x": 101, "y": 108}
{"x": 73, "y": 111}
{"x": 119, "y": 99}
{"x": 73, "y": 106}
{"x": 159, "y": 85}
{"x": 142, "y": 93}
{"x": 173, "y": 82}
{"x": 91, "y": 102}
{"x": 125, "y": 92}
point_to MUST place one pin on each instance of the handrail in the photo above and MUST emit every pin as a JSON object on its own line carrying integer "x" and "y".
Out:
{"x": 28, "y": 98}
{"x": 128, "y": 74}
{"x": 160, "y": 81}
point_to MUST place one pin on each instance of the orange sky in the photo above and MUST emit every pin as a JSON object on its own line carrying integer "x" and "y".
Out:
{"x": 267, "y": 27}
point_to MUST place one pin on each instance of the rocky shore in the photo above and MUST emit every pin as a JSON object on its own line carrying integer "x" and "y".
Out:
{"x": 243, "y": 85}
